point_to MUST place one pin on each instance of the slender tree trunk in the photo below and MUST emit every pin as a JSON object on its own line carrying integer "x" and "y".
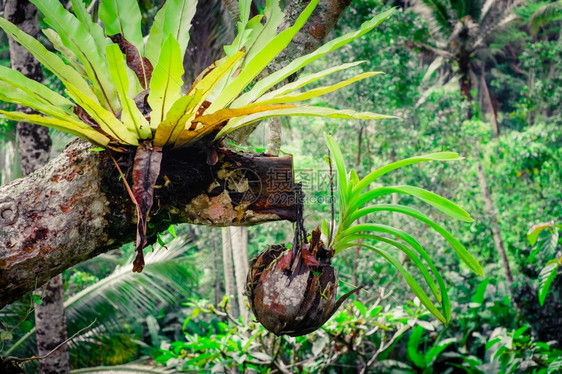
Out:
{"x": 229, "y": 284}
{"x": 50, "y": 325}
{"x": 9, "y": 163}
{"x": 274, "y": 136}
{"x": 216, "y": 268}
{"x": 34, "y": 149}
{"x": 240, "y": 259}
{"x": 493, "y": 221}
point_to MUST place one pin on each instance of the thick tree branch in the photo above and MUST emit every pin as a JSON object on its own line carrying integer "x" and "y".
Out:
{"x": 76, "y": 207}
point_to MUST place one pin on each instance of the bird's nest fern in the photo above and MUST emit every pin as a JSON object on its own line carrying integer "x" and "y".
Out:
{"x": 124, "y": 92}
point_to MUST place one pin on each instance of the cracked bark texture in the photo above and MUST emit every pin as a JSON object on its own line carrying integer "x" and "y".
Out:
{"x": 76, "y": 207}
{"x": 34, "y": 150}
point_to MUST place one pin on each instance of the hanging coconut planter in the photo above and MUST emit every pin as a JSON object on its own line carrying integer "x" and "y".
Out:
{"x": 293, "y": 291}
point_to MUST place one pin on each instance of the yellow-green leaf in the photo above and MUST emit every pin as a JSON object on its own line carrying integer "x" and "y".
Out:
{"x": 303, "y": 81}
{"x": 70, "y": 127}
{"x": 177, "y": 116}
{"x": 213, "y": 119}
{"x": 166, "y": 82}
{"x": 184, "y": 109}
{"x": 131, "y": 115}
{"x": 271, "y": 80}
{"x": 174, "y": 18}
{"x": 48, "y": 59}
{"x": 107, "y": 121}
{"x": 261, "y": 60}
{"x": 301, "y": 96}
{"x": 306, "y": 111}
{"x": 77, "y": 38}
{"x": 123, "y": 17}
{"x": 35, "y": 89}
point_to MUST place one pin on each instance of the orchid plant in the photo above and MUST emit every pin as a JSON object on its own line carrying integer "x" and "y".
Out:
{"x": 293, "y": 291}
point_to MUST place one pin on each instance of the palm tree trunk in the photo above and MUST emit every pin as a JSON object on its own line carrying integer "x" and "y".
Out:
{"x": 492, "y": 216}
{"x": 240, "y": 259}
{"x": 216, "y": 268}
{"x": 229, "y": 270}
{"x": 9, "y": 163}
{"x": 34, "y": 149}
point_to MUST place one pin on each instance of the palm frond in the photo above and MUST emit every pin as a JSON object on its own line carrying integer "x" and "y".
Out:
{"x": 436, "y": 13}
{"x": 545, "y": 15}
{"x": 165, "y": 280}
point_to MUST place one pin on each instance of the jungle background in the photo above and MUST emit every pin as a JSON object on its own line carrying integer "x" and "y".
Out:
{"x": 485, "y": 84}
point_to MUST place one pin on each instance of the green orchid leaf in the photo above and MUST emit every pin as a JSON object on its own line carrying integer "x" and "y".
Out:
{"x": 166, "y": 82}
{"x": 352, "y": 234}
{"x": 341, "y": 173}
{"x": 265, "y": 84}
{"x": 440, "y": 203}
{"x": 131, "y": 115}
{"x": 437, "y": 293}
{"x": 413, "y": 348}
{"x": 123, "y": 17}
{"x": 440, "y": 156}
{"x": 414, "y": 286}
{"x": 174, "y": 19}
{"x": 305, "y": 111}
{"x": 76, "y": 37}
{"x": 546, "y": 277}
{"x": 353, "y": 178}
{"x": 461, "y": 251}
{"x": 254, "y": 66}
{"x": 48, "y": 59}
